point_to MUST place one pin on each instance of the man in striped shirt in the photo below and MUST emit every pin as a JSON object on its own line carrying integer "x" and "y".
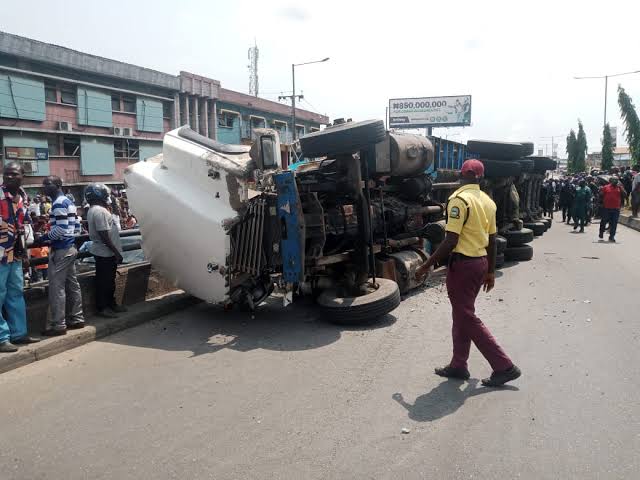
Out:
{"x": 65, "y": 298}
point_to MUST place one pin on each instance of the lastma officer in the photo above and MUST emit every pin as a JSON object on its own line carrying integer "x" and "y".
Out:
{"x": 470, "y": 245}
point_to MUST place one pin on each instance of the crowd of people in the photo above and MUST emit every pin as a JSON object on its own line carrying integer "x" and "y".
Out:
{"x": 582, "y": 197}
{"x": 45, "y": 229}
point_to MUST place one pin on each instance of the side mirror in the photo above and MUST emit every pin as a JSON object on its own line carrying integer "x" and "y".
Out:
{"x": 267, "y": 152}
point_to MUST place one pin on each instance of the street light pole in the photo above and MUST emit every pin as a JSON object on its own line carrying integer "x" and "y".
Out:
{"x": 293, "y": 93}
{"x": 606, "y": 82}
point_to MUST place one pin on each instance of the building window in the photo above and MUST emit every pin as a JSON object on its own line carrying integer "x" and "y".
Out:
{"x": 115, "y": 103}
{"x": 299, "y": 130}
{"x": 50, "y": 92}
{"x": 68, "y": 95}
{"x": 258, "y": 122}
{"x": 126, "y": 149}
{"x": 54, "y": 145}
{"x": 167, "y": 109}
{"x": 129, "y": 104}
{"x": 71, "y": 146}
{"x": 226, "y": 119}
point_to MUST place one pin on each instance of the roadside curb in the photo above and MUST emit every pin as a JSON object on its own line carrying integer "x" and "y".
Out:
{"x": 629, "y": 221}
{"x": 98, "y": 328}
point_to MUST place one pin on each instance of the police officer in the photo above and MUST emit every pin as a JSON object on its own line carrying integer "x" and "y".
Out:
{"x": 470, "y": 245}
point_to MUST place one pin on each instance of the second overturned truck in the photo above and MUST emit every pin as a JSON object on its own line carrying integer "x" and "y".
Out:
{"x": 227, "y": 224}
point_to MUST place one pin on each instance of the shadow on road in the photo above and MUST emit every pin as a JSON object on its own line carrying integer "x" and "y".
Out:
{"x": 208, "y": 329}
{"x": 445, "y": 399}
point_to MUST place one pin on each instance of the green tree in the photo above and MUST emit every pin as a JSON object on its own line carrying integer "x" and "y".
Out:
{"x": 607, "y": 148}
{"x": 631, "y": 123}
{"x": 581, "y": 149}
{"x": 572, "y": 143}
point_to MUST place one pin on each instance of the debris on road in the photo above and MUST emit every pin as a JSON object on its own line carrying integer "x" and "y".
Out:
{"x": 406, "y": 430}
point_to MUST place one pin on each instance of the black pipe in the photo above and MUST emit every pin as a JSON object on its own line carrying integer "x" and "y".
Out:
{"x": 364, "y": 158}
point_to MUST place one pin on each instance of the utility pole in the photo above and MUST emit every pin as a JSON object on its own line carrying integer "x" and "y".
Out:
{"x": 606, "y": 82}
{"x": 553, "y": 144}
{"x": 293, "y": 93}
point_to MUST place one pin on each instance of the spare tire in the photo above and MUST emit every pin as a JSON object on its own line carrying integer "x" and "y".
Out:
{"x": 363, "y": 309}
{"x": 519, "y": 254}
{"x": 501, "y": 244}
{"x": 500, "y": 168}
{"x": 496, "y": 150}
{"x": 528, "y": 148}
{"x": 500, "y": 260}
{"x": 537, "y": 227}
{"x": 344, "y": 138}
{"x": 515, "y": 238}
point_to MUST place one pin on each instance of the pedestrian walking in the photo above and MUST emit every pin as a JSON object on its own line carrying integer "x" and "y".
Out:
{"x": 565, "y": 199}
{"x": 612, "y": 198}
{"x": 106, "y": 249}
{"x": 65, "y": 297}
{"x": 580, "y": 205}
{"x": 13, "y": 312}
{"x": 470, "y": 245}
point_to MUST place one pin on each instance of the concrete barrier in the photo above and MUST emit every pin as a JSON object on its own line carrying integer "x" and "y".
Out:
{"x": 134, "y": 284}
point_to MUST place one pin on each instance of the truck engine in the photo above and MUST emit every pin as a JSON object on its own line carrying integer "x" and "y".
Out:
{"x": 349, "y": 227}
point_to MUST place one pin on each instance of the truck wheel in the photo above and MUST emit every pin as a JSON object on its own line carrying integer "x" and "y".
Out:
{"x": 537, "y": 227}
{"x": 546, "y": 222}
{"x": 542, "y": 164}
{"x": 519, "y": 254}
{"x": 500, "y": 168}
{"x": 500, "y": 260}
{"x": 516, "y": 238}
{"x": 345, "y": 138}
{"x": 526, "y": 165}
{"x": 496, "y": 150}
{"x": 501, "y": 244}
{"x": 360, "y": 310}
{"x": 528, "y": 148}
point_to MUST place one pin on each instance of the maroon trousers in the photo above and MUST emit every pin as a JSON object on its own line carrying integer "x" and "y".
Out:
{"x": 465, "y": 277}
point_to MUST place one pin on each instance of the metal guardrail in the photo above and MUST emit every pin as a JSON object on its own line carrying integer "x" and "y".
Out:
{"x": 80, "y": 239}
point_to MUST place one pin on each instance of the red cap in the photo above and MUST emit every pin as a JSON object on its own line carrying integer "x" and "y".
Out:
{"x": 473, "y": 166}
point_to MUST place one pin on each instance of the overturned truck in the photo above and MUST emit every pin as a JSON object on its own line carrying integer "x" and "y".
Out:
{"x": 227, "y": 224}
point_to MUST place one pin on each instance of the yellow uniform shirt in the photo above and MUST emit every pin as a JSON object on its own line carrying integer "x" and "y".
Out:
{"x": 469, "y": 201}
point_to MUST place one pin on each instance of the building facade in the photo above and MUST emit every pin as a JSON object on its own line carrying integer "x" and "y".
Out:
{"x": 86, "y": 118}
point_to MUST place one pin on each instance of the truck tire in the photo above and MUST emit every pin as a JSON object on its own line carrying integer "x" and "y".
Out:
{"x": 528, "y": 148}
{"x": 345, "y": 138}
{"x": 526, "y": 165}
{"x": 546, "y": 222}
{"x": 496, "y": 150}
{"x": 542, "y": 164}
{"x": 537, "y": 227}
{"x": 500, "y": 168}
{"x": 516, "y": 238}
{"x": 519, "y": 254}
{"x": 501, "y": 244}
{"x": 500, "y": 260}
{"x": 360, "y": 310}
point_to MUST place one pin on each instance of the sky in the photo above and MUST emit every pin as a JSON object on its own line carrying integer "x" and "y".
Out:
{"x": 517, "y": 59}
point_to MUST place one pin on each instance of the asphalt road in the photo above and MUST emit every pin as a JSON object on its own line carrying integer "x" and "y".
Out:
{"x": 208, "y": 394}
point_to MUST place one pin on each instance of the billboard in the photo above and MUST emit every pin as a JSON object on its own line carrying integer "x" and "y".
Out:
{"x": 453, "y": 111}
{"x": 26, "y": 153}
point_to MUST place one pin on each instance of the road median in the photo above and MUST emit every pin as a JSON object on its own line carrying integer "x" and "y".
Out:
{"x": 98, "y": 328}
{"x": 629, "y": 221}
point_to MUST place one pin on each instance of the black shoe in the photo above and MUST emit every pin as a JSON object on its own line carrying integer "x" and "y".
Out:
{"x": 612, "y": 240}
{"x": 25, "y": 340}
{"x": 8, "y": 347}
{"x": 107, "y": 313}
{"x": 601, "y": 236}
{"x": 75, "y": 325}
{"x": 54, "y": 332}
{"x": 498, "y": 379}
{"x": 582, "y": 230}
{"x": 450, "y": 372}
